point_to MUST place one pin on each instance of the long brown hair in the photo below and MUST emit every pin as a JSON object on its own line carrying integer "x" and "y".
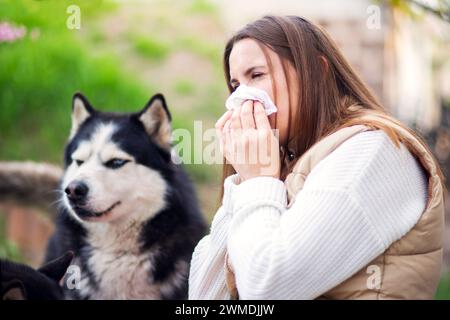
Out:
{"x": 326, "y": 93}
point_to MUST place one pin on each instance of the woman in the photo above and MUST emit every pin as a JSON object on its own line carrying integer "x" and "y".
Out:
{"x": 351, "y": 205}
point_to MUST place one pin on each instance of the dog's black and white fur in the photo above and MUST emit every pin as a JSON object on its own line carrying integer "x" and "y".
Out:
{"x": 128, "y": 212}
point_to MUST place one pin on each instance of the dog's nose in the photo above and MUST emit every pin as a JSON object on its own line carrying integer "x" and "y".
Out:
{"x": 76, "y": 191}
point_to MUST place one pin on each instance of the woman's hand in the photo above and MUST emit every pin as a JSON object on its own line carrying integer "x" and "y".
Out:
{"x": 247, "y": 141}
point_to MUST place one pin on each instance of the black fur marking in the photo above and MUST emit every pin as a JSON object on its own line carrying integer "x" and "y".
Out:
{"x": 39, "y": 284}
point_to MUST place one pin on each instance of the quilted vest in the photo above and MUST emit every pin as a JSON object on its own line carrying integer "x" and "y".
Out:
{"x": 410, "y": 267}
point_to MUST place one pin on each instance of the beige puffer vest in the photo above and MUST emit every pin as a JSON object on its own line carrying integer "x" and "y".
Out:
{"x": 410, "y": 267}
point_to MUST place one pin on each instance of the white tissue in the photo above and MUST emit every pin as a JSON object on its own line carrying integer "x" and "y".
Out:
{"x": 244, "y": 93}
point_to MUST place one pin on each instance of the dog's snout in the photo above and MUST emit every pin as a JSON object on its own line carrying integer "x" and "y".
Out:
{"x": 77, "y": 191}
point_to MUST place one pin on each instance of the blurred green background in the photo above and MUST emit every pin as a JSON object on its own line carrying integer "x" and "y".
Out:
{"x": 121, "y": 56}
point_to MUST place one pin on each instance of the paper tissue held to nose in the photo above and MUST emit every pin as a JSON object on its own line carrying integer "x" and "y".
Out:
{"x": 244, "y": 93}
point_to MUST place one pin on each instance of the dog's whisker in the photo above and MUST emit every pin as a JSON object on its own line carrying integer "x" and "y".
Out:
{"x": 58, "y": 203}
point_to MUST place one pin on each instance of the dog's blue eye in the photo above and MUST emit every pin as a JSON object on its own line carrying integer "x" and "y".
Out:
{"x": 115, "y": 163}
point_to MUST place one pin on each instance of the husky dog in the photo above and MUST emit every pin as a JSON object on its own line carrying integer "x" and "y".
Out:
{"x": 128, "y": 212}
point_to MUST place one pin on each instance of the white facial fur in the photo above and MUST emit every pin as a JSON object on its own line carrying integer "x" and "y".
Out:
{"x": 139, "y": 189}
{"x": 120, "y": 267}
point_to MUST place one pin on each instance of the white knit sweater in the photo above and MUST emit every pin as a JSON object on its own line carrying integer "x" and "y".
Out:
{"x": 355, "y": 203}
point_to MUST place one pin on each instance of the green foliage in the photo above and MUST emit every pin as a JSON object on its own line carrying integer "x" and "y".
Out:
{"x": 184, "y": 87}
{"x": 201, "y": 48}
{"x": 443, "y": 291}
{"x": 150, "y": 47}
{"x": 38, "y": 77}
{"x": 417, "y": 8}
{"x": 50, "y": 14}
{"x": 202, "y": 7}
{"x": 40, "y": 73}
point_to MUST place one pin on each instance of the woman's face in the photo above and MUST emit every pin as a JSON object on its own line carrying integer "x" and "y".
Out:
{"x": 248, "y": 66}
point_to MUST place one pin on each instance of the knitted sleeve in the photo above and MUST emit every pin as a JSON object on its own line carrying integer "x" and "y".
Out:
{"x": 207, "y": 275}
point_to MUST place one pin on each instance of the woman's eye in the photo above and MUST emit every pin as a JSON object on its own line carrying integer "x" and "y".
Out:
{"x": 116, "y": 163}
{"x": 256, "y": 75}
{"x": 79, "y": 162}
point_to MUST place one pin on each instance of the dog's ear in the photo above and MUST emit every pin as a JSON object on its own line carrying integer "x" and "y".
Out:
{"x": 13, "y": 290}
{"x": 156, "y": 119}
{"x": 81, "y": 110}
{"x": 57, "y": 268}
